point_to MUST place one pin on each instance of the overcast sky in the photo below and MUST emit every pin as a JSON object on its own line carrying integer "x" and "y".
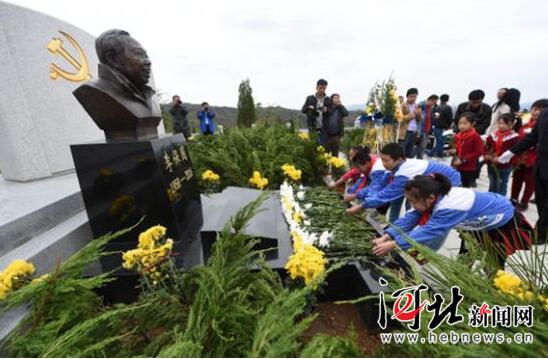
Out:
{"x": 203, "y": 49}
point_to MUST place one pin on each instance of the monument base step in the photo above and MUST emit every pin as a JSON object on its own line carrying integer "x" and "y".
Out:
{"x": 29, "y": 209}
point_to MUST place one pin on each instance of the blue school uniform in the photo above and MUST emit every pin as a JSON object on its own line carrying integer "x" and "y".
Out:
{"x": 461, "y": 208}
{"x": 402, "y": 174}
{"x": 378, "y": 178}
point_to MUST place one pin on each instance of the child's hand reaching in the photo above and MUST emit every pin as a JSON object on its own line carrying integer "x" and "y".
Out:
{"x": 349, "y": 197}
{"x": 354, "y": 209}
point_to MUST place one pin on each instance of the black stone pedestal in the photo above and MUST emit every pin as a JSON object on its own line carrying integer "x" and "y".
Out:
{"x": 122, "y": 182}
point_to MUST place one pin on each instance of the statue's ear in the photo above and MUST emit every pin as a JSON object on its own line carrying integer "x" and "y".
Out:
{"x": 112, "y": 59}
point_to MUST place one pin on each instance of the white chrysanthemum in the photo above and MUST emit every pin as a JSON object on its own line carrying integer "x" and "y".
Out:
{"x": 308, "y": 206}
{"x": 324, "y": 239}
{"x": 311, "y": 238}
{"x": 307, "y": 223}
{"x": 286, "y": 190}
{"x": 300, "y": 195}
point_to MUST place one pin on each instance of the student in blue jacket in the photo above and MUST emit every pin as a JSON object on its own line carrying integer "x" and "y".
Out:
{"x": 402, "y": 170}
{"x": 437, "y": 208}
{"x": 373, "y": 174}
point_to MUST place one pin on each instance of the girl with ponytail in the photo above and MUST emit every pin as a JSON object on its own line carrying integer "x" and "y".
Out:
{"x": 496, "y": 144}
{"x": 438, "y": 208}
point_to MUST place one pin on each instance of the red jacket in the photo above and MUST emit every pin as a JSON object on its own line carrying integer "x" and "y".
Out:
{"x": 352, "y": 174}
{"x": 469, "y": 150}
{"x": 496, "y": 146}
{"x": 529, "y": 157}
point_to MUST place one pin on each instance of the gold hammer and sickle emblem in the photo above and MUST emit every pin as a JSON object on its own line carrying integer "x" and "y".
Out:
{"x": 55, "y": 46}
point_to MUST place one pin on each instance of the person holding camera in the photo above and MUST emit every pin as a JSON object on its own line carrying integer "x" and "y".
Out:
{"x": 206, "y": 116}
{"x": 316, "y": 107}
{"x": 179, "y": 113}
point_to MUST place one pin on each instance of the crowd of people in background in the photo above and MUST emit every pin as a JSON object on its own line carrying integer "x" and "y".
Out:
{"x": 492, "y": 136}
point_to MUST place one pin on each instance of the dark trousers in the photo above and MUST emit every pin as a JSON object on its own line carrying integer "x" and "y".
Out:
{"x": 467, "y": 178}
{"x": 437, "y": 149}
{"x": 498, "y": 179}
{"x": 523, "y": 176}
{"x": 541, "y": 198}
{"x": 478, "y": 170}
{"x": 420, "y": 145}
{"x": 333, "y": 144}
{"x": 408, "y": 144}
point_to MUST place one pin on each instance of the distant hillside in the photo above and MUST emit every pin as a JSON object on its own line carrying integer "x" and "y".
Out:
{"x": 226, "y": 116}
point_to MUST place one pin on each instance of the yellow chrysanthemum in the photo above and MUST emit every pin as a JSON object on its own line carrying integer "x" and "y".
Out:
{"x": 304, "y": 136}
{"x": 298, "y": 217}
{"x": 512, "y": 284}
{"x": 257, "y": 181}
{"x": 148, "y": 238}
{"x": 297, "y": 240}
{"x": 146, "y": 258}
{"x": 325, "y": 157}
{"x": 307, "y": 263}
{"x": 14, "y": 276}
{"x": 291, "y": 172}
{"x": 337, "y": 162}
{"x": 210, "y": 176}
{"x": 507, "y": 283}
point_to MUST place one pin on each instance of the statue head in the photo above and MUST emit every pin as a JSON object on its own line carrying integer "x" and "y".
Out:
{"x": 120, "y": 51}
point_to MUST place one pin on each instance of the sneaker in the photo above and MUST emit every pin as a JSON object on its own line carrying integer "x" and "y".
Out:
{"x": 522, "y": 207}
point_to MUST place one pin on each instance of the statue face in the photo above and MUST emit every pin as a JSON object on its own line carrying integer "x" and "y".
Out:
{"x": 133, "y": 62}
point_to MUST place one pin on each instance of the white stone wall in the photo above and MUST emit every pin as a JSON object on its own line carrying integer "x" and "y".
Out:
{"x": 39, "y": 117}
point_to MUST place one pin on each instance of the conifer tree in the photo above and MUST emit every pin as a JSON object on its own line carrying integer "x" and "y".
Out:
{"x": 246, "y": 106}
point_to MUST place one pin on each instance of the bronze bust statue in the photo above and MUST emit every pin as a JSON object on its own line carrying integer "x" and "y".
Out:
{"x": 120, "y": 101}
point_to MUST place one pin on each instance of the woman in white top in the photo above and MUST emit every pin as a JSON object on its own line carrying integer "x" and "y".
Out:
{"x": 508, "y": 103}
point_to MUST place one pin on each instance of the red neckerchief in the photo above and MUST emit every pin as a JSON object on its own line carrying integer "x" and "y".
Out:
{"x": 426, "y": 214}
{"x": 463, "y": 136}
{"x": 500, "y": 139}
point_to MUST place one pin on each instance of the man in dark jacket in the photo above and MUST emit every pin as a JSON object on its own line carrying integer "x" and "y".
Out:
{"x": 537, "y": 137}
{"x": 179, "y": 112}
{"x": 475, "y": 105}
{"x": 443, "y": 117}
{"x": 333, "y": 126}
{"x": 316, "y": 107}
